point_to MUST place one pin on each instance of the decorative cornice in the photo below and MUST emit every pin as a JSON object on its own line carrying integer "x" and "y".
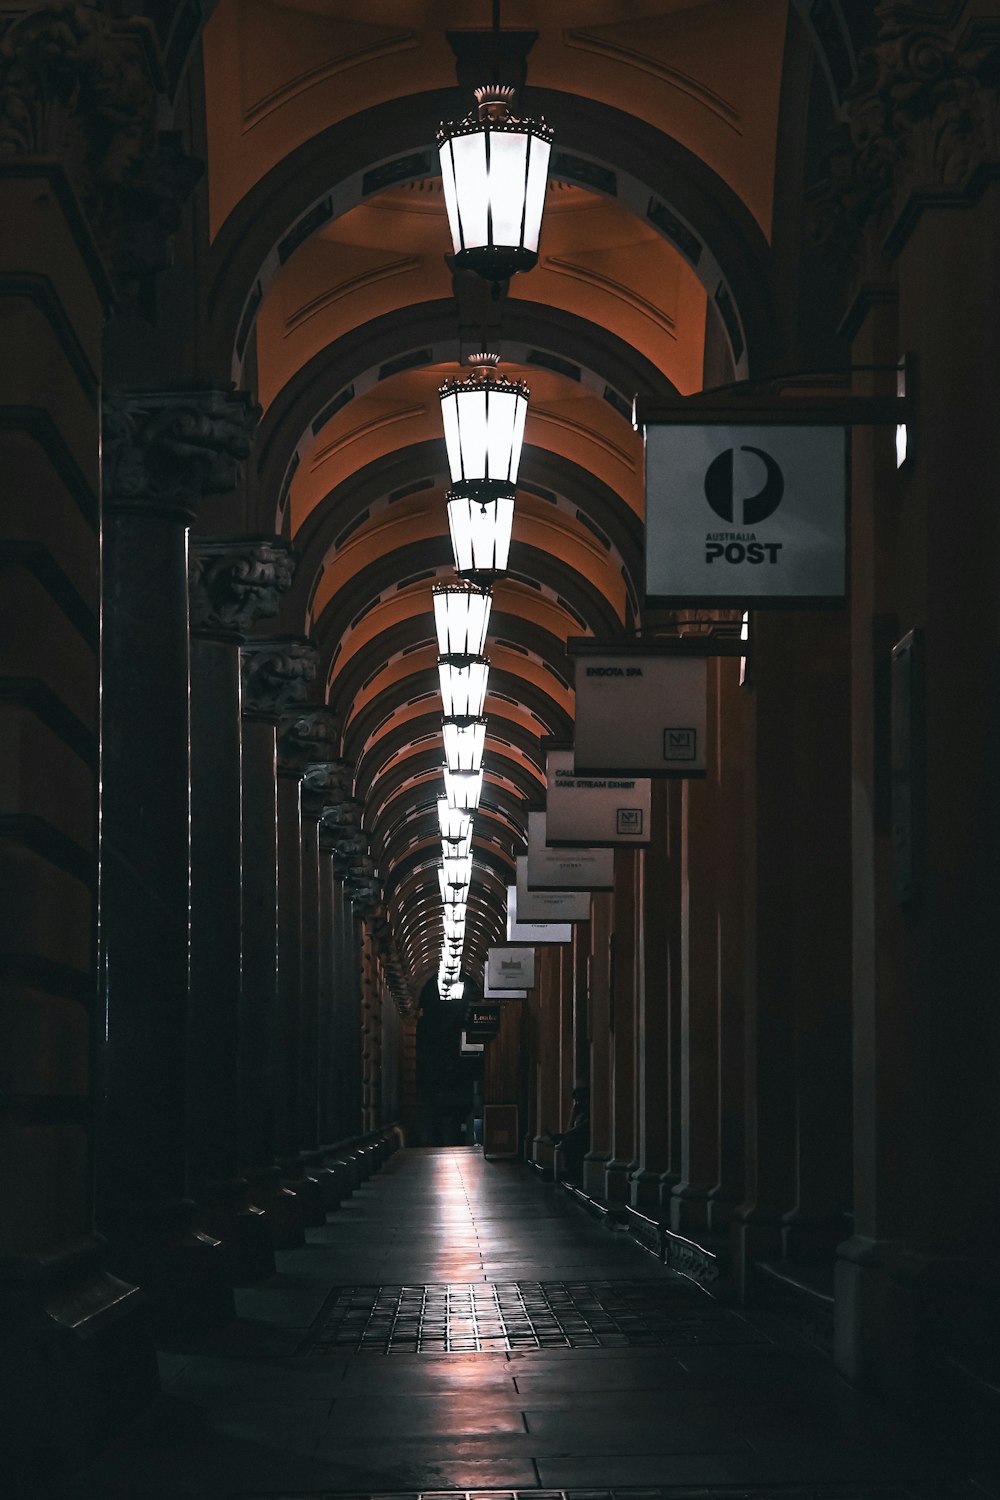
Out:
{"x": 79, "y": 84}
{"x": 921, "y": 128}
{"x": 277, "y": 673}
{"x": 169, "y": 449}
{"x": 235, "y": 581}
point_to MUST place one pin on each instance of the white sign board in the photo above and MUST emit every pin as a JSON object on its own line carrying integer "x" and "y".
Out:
{"x": 548, "y": 912}
{"x": 510, "y": 969}
{"x": 640, "y": 712}
{"x": 593, "y": 810}
{"x": 467, "y": 1046}
{"x": 565, "y": 869}
{"x": 489, "y": 993}
{"x": 745, "y": 515}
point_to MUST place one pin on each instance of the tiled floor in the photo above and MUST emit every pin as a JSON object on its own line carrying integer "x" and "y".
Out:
{"x": 457, "y": 1326}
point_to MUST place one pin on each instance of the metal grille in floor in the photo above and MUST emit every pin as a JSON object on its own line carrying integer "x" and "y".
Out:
{"x": 646, "y": 1492}
{"x": 459, "y": 1317}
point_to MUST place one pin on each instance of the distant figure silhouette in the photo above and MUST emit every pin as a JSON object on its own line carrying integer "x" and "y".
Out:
{"x": 574, "y": 1141}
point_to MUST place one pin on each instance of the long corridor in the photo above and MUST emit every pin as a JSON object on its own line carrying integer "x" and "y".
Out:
{"x": 460, "y": 1326}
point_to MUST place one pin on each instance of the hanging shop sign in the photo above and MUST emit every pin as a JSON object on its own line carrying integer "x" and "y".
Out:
{"x": 560, "y": 907}
{"x": 640, "y": 710}
{"x": 741, "y": 515}
{"x": 467, "y": 1046}
{"x": 482, "y": 1020}
{"x": 593, "y": 809}
{"x": 510, "y": 969}
{"x": 522, "y": 927}
{"x": 565, "y": 869}
{"x": 489, "y": 993}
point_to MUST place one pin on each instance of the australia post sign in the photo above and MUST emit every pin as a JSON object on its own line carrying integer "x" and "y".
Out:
{"x": 745, "y": 515}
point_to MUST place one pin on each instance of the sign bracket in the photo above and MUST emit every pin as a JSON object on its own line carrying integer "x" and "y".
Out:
{"x": 787, "y": 401}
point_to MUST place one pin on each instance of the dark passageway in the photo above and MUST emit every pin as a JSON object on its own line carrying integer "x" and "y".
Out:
{"x": 458, "y": 1325}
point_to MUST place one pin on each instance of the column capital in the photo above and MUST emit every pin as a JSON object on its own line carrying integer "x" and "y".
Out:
{"x": 307, "y": 737}
{"x": 338, "y": 822}
{"x": 164, "y": 451}
{"x": 325, "y": 785}
{"x": 921, "y": 128}
{"x": 278, "y": 672}
{"x": 80, "y": 83}
{"x": 234, "y": 581}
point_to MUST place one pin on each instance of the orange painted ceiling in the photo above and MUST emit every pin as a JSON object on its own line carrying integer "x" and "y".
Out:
{"x": 338, "y": 304}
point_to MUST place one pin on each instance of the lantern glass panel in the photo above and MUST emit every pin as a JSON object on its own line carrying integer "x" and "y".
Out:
{"x": 461, "y": 618}
{"x": 464, "y": 744}
{"x": 472, "y": 180}
{"x": 463, "y": 788}
{"x": 450, "y": 194}
{"x": 463, "y": 688}
{"x": 453, "y": 822}
{"x": 507, "y": 182}
{"x": 538, "y": 171}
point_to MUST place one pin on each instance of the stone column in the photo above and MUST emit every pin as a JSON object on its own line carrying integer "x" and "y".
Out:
{"x": 325, "y": 785}
{"x": 653, "y": 1012}
{"x": 599, "y": 1028}
{"x": 341, "y": 830}
{"x": 669, "y": 922}
{"x": 163, "y": 451}
{"x": 546, "y": 1052}
{"x": 277, "y": 674}
{"x": 76, "y": 1357}
{"x": 623, "y": 1028}
{"x": 916, "y": 1282}
{"x": 306, "y": 739}
{"x": 232, "y": 583}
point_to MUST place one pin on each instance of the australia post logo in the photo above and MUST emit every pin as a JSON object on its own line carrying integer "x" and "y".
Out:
{"x": 743, "y": 486}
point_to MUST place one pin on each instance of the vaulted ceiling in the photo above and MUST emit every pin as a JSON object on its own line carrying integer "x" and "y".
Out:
{"x": 330, "y": 292}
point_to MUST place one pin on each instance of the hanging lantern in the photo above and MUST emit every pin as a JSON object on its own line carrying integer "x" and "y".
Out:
{"x": 454, "y": 911}
{"x": 494, "y": 169}
{"x": 456, "y": 991}
{"x": 464, "y": 742}
{"x": 480, "y": 528}
{"x": 454, "y": 930}
{"x": 483, "y": 417}
{"x": 462, "y": 617}
{"x": 457, "y": 869}
{"x": 455, "y": 824}
{"x": 463, "y": 687}
{"x": 463, "y": 788}
{"x": 451, "y": 893}
{"x": 460, "y": 846}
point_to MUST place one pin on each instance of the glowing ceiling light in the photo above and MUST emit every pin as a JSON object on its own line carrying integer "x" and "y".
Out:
{"x": 454, "y": 911}
{"x": 462, "y": 617}
{"x": 494, "y": 169}
{"x": 464, "y": 742}
{"x": 457, "y": 869}
{"x": 455, "y": 825}
{"x": 463, "y": 788}
{"x": 454, "y": 930}
{"x": 463, "y": 687}
{"x": 456, "y": 991}
{"x": 450, "y": 893}
{"x": 483, "y": 417}
{"x": 480, "y": 529}
{"x": 461, "y": 846}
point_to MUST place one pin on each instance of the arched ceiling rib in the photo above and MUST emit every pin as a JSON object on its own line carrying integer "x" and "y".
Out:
{"x": 328, "y": 278}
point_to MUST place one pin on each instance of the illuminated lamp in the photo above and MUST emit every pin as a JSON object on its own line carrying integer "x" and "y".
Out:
{"x": 480, "y": 527}
{"x": 464, "y": 742}
{"x": 483, "y": 417}
{"x": 457, "y": 869}
{"x": 460, "y": 846}
{"x": 463, "y": 686}
{"x": 456, "y": 991}
{"x": 463, "y": 788}
{"x": 454, "y": 930}
{"x": 452, "y": 893}
{"x": 494, "y": 168}
{"x": 453, "y": 822}
{"x": 455, "y": 911}
{"x": 462, "y": 617}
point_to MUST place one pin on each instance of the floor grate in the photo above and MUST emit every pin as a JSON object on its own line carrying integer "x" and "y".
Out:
{"x": 509, "y": 1316}
{"x": 645, "y": 1492}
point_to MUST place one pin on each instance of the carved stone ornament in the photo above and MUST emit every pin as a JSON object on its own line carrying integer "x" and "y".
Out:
{"x": 277, "y": 673}
{"x": 234, "y": 582}
{"x": 308, "y": 737}
{"x": 923, "y": 118}
{"x": 326, "y": 784}
{"x": 347, "y": 851}
{"x": 79, "y": 82}
{"x": 172, "y": 448}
